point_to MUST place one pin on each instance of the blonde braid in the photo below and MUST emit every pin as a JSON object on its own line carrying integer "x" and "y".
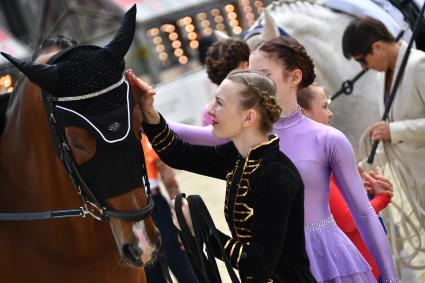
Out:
{"x": 260, "y": 92}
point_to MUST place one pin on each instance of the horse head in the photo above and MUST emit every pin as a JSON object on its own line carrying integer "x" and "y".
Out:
{"x": 97, "y": 115}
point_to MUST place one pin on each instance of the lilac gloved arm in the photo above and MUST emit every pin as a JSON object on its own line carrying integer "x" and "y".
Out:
{"x": 195, "y": 134}
{"x": 343, "y": 166}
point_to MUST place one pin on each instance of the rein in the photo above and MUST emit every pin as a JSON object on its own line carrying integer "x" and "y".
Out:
{"x": 200, "y": 248}
{"x": 91, "y": 205}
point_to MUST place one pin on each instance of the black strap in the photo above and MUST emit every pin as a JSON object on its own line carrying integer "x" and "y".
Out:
{"x": 46, "y": 215}
{"x": 205, "y": 265}
{"x": 4, "y": 102}
{"x": 195, "y": 256}
{"x": 164, "y": 268}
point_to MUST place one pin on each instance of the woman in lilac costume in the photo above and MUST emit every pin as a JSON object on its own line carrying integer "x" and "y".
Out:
{"x": 317, "y": 151}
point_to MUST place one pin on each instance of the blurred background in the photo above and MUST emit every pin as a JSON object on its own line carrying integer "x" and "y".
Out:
{"x": 168, "y": 49}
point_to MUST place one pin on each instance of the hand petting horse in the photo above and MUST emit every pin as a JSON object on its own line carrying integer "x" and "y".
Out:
{"x": 71, "y": 139}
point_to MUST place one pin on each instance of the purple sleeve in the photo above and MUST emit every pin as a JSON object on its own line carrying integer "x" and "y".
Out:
{"x": 195, "y": 134}
{"x": 342, "y": 163}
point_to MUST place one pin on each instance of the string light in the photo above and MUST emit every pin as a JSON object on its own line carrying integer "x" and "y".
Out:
{"x": 160, "y": 48}
{"x": 176, "y": 44}
{"x": 183, "y": 60}
{"x": 6, "y": 83}
{"x": 172, "y": 40}
{"x": 194, "y": 44}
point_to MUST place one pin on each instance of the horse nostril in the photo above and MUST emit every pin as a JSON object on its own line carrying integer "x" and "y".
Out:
{"x": 132, "y": 250}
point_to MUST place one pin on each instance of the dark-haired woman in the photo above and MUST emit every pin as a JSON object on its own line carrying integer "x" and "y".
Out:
{"x": 264, "y": 191}
{"x": 224, "y": 56}
{"x": 317, "y": 151}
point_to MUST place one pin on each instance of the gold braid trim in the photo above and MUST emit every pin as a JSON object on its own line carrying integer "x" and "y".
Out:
{"x": 160, "y": 134}
{"x": 227, "y": 243}
{"x": 233, "y": 249}
{"x": 166, "y": 146}
{"x": 164, "y": 135}
{"x": 239, "y": 256}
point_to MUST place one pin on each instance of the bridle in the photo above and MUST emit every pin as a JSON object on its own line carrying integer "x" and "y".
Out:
{"x": 91, "y": 204}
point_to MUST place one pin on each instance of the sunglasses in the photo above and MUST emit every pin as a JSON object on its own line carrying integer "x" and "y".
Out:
{"x": 362, "y": 58}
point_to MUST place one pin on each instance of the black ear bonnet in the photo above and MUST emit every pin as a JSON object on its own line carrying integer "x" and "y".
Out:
{"x": 89, "y": 90}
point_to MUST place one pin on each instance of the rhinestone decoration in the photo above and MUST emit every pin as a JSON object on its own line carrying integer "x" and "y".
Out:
{"x": 320, "y": 225}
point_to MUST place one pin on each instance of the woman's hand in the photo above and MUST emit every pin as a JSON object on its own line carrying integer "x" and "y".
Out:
{"x": 186, "y": 213}
{"x": 376, "y": 184}
{"x": 144, "y": 96}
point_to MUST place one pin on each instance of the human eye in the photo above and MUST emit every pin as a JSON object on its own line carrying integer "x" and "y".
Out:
{"x": 218, "y": 101}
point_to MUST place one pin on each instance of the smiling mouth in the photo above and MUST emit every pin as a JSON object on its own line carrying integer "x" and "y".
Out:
{"x": 214, "y": 122}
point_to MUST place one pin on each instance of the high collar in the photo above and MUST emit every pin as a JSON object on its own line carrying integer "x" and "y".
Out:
{"x": 259, "y": 150}
{"x": 292, "y": 119}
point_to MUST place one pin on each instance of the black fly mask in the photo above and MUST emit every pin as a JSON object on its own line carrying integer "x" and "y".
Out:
{"x": 88, "y": 89}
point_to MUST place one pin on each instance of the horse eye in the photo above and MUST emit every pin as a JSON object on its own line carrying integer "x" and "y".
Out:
{"x": 77, "y": 145}
{"x": 78, "y": 138}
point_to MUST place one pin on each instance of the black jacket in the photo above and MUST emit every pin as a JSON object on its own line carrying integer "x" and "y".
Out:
{"x": 264, "y": 205}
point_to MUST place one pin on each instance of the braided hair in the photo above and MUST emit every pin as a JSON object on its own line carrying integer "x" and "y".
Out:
{"x": 224, "y": 56}
{"x": 260, "y": 92}
{"x": 292, "y": 55}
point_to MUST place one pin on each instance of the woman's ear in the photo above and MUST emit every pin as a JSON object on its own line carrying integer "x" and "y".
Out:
{"x": 250, "y": 118}
{"x": 296, "y": 78}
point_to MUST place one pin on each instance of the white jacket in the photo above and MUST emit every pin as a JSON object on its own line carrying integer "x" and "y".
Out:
{"x": 407, "y": 114}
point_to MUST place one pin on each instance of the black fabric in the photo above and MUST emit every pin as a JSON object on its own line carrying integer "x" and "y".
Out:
{"x": 267, "y": 216}
{"x": 4, "y": 102}
{"x": 85, "y": 69}
{"x": 100, "y": 104}
{"x": 206, "y": 238}
{"x": 113, "y": 170}
{"x": 112, "y": 124}
{"x": 88, "y": 69}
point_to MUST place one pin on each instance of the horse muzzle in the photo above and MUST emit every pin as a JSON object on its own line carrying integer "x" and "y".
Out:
{"x": 132, "y": 254}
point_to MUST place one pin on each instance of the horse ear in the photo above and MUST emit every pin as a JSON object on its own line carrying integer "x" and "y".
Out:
{"x": 220, "y": 35}
{"x": 270, "y": 30}
{"x": 44, "y": 75}
{"x": 122, "y": 40}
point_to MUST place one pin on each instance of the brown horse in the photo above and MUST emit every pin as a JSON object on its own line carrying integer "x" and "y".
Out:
{"x": 33, "y": 178}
